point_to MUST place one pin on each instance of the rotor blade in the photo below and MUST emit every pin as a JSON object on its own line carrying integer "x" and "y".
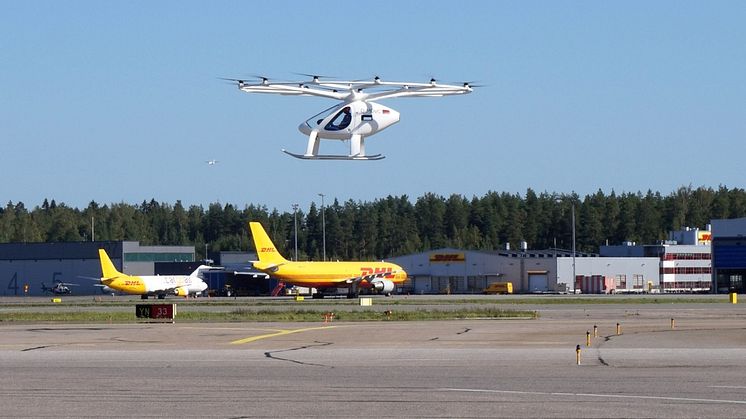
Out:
{"x": 315, "y": 76}
{"x": 472, "y": 84}
{"x": 230, "y": 79}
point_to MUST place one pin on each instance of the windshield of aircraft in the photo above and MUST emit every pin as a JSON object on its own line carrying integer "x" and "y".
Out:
{"x": 314, "y": 121}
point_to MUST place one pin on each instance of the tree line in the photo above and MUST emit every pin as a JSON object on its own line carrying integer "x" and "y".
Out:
{"x": 386, "y": 227}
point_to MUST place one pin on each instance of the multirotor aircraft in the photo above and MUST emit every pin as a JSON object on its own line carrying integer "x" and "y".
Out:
{"x": 357, "y": 116}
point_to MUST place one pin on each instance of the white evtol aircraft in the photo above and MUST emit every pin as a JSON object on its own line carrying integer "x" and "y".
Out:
{"x": 357, "y": 116}
{"x": 159, "y": 285}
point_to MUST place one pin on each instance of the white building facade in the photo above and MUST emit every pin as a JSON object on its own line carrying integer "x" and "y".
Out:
{"x": 458, "y": 271}
{"x": 685, "y": 261}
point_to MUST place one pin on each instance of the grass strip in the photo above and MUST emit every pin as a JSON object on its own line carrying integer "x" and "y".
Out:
{"x": 485, "y": 301}
{"x": 245, "y": 315}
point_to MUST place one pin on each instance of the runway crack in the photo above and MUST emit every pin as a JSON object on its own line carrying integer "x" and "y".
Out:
{"x": 465, "y": 330}
{"x": 37, "y": 347}
{"x": 271, "y": 354}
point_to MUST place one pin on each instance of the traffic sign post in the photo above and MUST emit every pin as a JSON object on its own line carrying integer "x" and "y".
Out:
{"x": 156, "y": 312}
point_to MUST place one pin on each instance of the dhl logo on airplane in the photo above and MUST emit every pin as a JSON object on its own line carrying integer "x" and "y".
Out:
{"x": 370, "y": 271}
{"x": 131, "y": 283}
{"x": 267, "y": 249}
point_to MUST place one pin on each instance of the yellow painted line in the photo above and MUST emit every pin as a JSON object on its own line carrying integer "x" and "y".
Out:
{"x": 278, "y": 333}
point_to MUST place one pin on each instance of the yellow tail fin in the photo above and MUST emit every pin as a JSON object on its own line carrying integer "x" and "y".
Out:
{"x": 265, "y": 249}
{"x": 107, "y": 268}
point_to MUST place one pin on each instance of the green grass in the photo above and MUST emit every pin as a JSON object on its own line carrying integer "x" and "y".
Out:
{"x": 239, "y": 315}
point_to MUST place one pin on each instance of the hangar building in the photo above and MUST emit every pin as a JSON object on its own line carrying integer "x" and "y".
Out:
{"x": 29, "y": 268}
{"x": 451, "y": 270}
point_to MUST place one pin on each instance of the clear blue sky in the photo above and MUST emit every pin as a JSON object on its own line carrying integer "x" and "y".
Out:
{"x": 120, "y": 101}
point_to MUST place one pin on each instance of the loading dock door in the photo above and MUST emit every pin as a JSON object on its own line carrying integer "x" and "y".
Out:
{"x": 538, "y": 282}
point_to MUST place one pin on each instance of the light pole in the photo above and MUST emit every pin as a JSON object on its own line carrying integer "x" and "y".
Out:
{"x": 572, "y": 209}
{"x": 295, "y": 227}
{"x": 573, "y": 246}
{"x": 323, "y": 225}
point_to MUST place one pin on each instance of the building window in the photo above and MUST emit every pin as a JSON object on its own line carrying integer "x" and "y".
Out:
{"x": 621, "y": 282}
{"x": 686, "y": 256}
{"x": 159, "y": 257}
{"x": 638, "y": 282}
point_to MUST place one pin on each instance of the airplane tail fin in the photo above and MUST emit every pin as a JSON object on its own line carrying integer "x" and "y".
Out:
{"x": 107, "y": 267}
{"x": 197, "y": 272}
{"x": 265, "y": 249}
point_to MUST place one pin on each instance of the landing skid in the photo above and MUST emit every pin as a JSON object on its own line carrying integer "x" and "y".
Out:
{"x": 334, "y": 156}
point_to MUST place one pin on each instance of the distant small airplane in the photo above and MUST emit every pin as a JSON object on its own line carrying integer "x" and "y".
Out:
{"x": 159, "y": 285}
{"x": 211, "y": 162}
{"x": 326, "y": 277}
{"x": 59, "y": 288}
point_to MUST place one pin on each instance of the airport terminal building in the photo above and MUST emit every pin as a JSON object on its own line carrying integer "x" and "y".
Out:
{"x": 30, "y": 268}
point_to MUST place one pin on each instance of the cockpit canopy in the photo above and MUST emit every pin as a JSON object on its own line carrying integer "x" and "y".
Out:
{"x": 355, "y": 118}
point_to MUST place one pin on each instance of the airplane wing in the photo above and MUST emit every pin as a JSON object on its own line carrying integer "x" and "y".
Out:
{"x": 252, "y": 274}
{"x": 368, "y": 277}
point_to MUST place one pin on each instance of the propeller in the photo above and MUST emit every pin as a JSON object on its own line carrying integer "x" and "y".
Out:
{"x": 472, "y": 84}
{"x": 264, "y": 79}
{"x": 239, "y": 81}
{"x": 314, "y": 77}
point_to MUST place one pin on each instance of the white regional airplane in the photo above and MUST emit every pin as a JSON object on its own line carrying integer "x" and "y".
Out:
{"x": 159, "y": 285}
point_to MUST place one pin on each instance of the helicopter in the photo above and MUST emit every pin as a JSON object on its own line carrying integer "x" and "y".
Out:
{"x": 59, "y": 288}
{"x": 357, "y": 116}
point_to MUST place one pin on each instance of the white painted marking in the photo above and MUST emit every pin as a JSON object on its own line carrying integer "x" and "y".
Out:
{"x": 726, "y": 386}
{"x": 611, "y": 396}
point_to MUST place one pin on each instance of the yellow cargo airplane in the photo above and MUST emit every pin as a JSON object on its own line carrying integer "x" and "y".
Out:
{"x": 159, "y": 285}
{"x": 325, "y": 276}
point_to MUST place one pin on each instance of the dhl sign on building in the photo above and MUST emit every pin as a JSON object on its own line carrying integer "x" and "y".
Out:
{"x": 447, "y": 257}
{"x": 704, "y": 238}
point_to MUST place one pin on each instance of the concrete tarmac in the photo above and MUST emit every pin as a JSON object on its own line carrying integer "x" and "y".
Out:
{"x": 471, "y": 368}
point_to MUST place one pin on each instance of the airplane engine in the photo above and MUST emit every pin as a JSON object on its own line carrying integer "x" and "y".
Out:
{"x": 383, "y": 286}
{"x": 181, "y": 292}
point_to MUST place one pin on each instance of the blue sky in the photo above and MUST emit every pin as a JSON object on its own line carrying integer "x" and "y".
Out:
{"x": 120, "y": 101}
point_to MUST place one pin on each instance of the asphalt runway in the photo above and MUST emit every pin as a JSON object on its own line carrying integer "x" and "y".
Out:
{"x": 471, "y": 368}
